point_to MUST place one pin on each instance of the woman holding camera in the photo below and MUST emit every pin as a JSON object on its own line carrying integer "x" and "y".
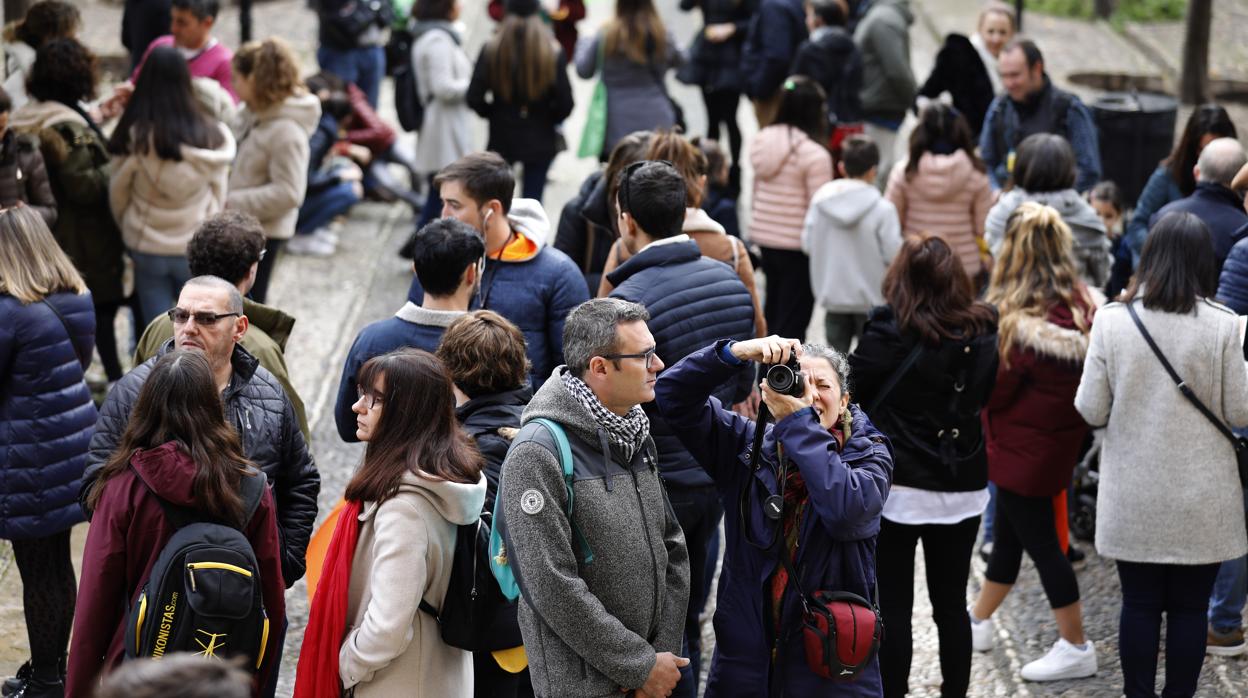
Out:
{"x": 813, "y": 505}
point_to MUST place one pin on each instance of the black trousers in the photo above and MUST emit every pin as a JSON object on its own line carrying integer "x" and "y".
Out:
{"x": 264, "y": 270}
{"x": 721, "y": 108}
{"x": 789, "y": 300}
{"x": 1028, "y": 524}
{"x": 1181, "y": 592}
{"x": 49, "y": 591}
{"x": 947, "y": 552}
{"x": 698, "y": 510}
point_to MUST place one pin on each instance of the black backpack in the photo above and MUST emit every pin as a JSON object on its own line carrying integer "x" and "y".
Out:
{"x": 203, "y": 594}
{"x": 475, "y": 616}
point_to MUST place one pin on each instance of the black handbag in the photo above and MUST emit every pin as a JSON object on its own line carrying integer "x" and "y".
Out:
{"x": 1241, "y": 444}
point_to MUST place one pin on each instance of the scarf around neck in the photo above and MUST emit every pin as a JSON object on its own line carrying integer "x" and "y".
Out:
{"x": 628, "y": 432}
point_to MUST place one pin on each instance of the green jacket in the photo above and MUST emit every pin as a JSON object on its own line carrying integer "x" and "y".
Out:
{"x": 265, "y": 339}
{"x": 883, "y": 36}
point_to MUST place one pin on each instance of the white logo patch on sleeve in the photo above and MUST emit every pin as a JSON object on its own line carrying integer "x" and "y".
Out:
{"x": 531, "y": 502}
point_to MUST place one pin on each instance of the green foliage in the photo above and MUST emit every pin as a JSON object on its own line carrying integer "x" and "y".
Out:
{"x": 1126, "y": 10}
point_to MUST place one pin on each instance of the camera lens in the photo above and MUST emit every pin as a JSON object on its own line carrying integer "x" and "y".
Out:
{"x": 781, "y": 379}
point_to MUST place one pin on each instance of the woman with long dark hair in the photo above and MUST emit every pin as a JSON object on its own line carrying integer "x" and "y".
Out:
{"x": 1173, "y": 179}
{"x": 170, "y": 171}
{"x": 46, "y": 420}
{"x": 1159, "y": 534}
{"x": 178, "y": 450}
{"x": 924, "y": 367}
{"x": 942, "y": 188}
{"x": 526, "y": 75}
{"x": 395, "y": 540}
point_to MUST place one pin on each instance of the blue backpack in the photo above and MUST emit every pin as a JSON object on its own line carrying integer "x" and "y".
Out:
{"x": 499, "y": 563}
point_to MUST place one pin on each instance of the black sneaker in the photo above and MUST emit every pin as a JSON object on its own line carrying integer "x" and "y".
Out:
{"x": 36, "y": 688}
{"x": 14, "y": 684}
{"x": 1078, "y": 559}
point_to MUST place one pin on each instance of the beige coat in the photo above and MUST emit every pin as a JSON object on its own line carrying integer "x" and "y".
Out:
{"x": 270, "y": 175}
{"x": 946, "y": 197}
{"x": 404, "y": 554}
{"x": 159, "y": 203}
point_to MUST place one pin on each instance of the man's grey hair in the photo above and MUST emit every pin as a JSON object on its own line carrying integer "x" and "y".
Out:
{"x": 1221, "y": 160}
{"x": 590, "y": 330}
{"x": 838, "y": 361}
{"x": 234, "y": 303}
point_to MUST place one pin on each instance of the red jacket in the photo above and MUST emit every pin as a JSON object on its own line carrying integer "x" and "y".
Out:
{"x": 364, "y": 127}
{"x": 1031, "y": 427}
{"x": 126, "y": 535}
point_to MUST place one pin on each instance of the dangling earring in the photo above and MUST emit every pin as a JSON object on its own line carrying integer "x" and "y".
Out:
{"x": 847, "y": 423}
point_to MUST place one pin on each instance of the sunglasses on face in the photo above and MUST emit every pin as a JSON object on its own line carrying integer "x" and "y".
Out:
{"x": 180, "y": 317}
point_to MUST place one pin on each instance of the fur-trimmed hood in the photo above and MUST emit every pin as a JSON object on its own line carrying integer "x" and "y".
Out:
{"x": 1055, "y": 336}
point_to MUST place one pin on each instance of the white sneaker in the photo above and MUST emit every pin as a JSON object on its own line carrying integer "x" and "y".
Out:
{"x": 327, "y": 234}
{"x": 309, "y": 245}
{"x": 983, "y": 633}
{"x": 1064, "y": 661}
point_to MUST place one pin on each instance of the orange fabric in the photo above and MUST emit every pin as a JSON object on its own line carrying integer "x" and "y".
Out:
{"x": 318, "y": 546}
{"x": 519, "y": 249}
{"x": 316, "y": 676}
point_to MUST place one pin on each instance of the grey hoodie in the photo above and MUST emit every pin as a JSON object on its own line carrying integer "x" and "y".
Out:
{"x": 591, "y": 628}
{"x": 1092, "y": 246}
{"x": 851, "y": 235}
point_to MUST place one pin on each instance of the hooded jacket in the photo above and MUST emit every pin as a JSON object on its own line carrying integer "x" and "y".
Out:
{"x": 1220, "y": 208}
{"x": 1092, "y": 245}
{"x": 851, "y": 235}
{"x": 270, "y": 176}
{"x": 404, "y": 554}
{"x": 591, "y": 628}
{"x": 127, "y": 535}
{"x": 492, "y": 421}
{"x": 160, "y": 203}
{"x": 46, "y": 413}
{"x": 831, "y": 58}
{"x": 585, "y": 233}
{"x": 837, "y": 528}
{"x": 788, "y": 168}
{"x": 946, "y": 197}
{"x": 961, "y": 69}
{"x": 883, "y": 36}
{"x": 530, "y": 284}
{"x": 78, "y": 170}
{"x": 259, "y": 410}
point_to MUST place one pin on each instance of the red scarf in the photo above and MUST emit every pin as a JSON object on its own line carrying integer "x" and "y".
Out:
{"x": 317, "y": 673}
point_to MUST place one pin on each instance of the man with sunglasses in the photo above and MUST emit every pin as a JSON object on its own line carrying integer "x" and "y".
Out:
{"x": 209, "y": 318}
{"x": 693, "y": 301}
{"x": 604, "y": 588}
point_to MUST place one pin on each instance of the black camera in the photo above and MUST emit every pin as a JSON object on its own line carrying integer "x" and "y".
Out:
{"x": 787, "y": 378}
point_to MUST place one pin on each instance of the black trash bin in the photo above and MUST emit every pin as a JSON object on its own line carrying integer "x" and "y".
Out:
{"x": 1136, "y": 133}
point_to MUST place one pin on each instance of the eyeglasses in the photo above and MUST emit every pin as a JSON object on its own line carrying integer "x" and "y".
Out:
{"x": 648, "y": 355}
{"x": 180, "y": 316}
{"x": 628, "y": 176}
{"x": 375, "y": 398}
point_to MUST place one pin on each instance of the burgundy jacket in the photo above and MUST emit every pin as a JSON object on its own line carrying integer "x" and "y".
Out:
{"x": 364, "y": 127}
{"x": 1031, "y": 427}
{"x": 126, "y": 535}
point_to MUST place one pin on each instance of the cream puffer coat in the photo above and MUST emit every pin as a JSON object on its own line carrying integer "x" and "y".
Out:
{"x": 270, "y": 175}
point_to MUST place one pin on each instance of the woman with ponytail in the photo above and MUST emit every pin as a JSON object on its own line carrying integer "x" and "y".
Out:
{"x": 395, "y": 541}
{"x": 177, "y": 450}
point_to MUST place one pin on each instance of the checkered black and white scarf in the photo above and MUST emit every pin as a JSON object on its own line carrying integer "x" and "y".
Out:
{"x": 628, "y": 432}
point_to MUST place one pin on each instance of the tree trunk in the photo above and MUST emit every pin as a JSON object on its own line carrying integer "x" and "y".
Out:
{"x": 15, "y": 9}
{"x": 1103, "y": 8}
{"x": 1194, "y": 80}
{"x": 1018, "y": 15}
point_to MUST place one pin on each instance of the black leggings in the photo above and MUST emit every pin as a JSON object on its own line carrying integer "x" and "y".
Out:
{"x": 49, "y": 590}
{"x": 721, "y": 108}
{"x": 106, "y": 335}
{"x": 788, "y": 302}
{"x": 947, "y": 555}
{"x": 1181, "y": 592}
{"x": 264, "y": 270}
{"x": 1028, "y": 523}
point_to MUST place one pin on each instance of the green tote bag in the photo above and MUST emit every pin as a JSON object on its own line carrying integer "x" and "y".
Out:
{"x": 594, "y": 135}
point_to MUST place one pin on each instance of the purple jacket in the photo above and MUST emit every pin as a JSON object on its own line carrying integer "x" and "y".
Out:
{"x": 836, "y": 547}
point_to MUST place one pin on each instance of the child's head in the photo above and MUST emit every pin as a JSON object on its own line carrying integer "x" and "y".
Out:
{"x": 803, "y": 105}
{"x": 717, "y": 170}
{"x": 1106, "y": 198}
{"x": 860, "y": 158}
{"x": 184, "y": 675}
{"x": 191, "y": 22}
{"x": 826, "y": 13}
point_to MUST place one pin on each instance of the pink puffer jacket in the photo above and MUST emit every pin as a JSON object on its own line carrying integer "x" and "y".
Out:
{"x": 788, "y": 168}
{"x": 946, "y": 197}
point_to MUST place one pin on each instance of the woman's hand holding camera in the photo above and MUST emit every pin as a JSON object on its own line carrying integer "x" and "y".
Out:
{"x": 781, "y": 405}
{"x": 767, "y": 350}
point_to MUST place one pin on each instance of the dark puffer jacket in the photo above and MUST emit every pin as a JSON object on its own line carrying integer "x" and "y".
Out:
{"x": 24, "y": 178}
{"x": 585, "y": 234}
{"x": 46, "y": 413}
{"x": 776, "y": 31}
{"x": 932, "y": 413}
{"x": 831, "y": 58}
{"x": 1233, "y": 283}
{"x": 693, "y": 301}
{"x": 257, "y": 406}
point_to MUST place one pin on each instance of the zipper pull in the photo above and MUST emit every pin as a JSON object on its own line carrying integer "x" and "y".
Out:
{"x": 190, "y": 571}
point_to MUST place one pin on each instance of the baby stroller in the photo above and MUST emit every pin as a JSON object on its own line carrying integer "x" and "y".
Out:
{"x": 1082, "y": 504}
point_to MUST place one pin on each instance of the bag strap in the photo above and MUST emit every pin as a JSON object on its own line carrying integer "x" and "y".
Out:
{"x": 1183, "y": 387}
{"x": 565, "y": 460}
{"x": 896, "y": 377}
{"x": 85, "y": 360}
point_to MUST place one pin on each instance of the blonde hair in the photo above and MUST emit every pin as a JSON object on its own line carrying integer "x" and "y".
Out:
{"x": 273, "y": 70}
{"x": 1035, "y": 270}
{"x": 1000, "y": 8}
{"x": 32, "y": 265}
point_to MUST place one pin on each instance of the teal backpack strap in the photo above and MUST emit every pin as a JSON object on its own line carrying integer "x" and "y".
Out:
{"x": 565, "y": 460}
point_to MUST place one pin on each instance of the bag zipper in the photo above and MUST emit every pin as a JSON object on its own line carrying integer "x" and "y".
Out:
{"x": 192, "y": 566}
{"x": 138, "y": 626}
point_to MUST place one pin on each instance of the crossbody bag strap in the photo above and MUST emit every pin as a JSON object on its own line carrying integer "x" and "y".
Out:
{"x": 897, "y": 376}
{"x": 1183, "y": 387}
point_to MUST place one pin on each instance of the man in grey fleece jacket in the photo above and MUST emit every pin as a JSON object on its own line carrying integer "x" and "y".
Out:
{"x": 604, "y": 592}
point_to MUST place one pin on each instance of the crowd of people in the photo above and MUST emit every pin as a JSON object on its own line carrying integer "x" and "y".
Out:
{"x": 571, "y": 430}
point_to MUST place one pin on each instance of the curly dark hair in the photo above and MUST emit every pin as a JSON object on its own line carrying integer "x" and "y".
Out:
{"x": 48, "y": 19}
{"x": 65, "y": 71}
{"x": 226, "y": 245}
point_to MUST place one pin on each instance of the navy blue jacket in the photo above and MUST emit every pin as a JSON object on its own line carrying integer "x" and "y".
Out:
{"x": 1233, "y": 282}
{"x": 777, "y": 29}
{"x": 46, "y": 413}
{"x": 375, "y": 339}
{"x": 1222, "y": 211}
{"x": 536, "y": 294}
{"x": 837, "y": 530}
{"x": 693, "y": 301}
{"x": 1159, "y": 190}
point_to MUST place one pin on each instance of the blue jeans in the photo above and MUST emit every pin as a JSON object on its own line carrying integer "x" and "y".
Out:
{"x": 533, "y": 182}
{"x": 363, "y": 66}
{"x": 1230, "y": 590}
{"x": 990, "y": 514}
{"x": 322, "y": 207}
{"x": 158, "y": 280}
{"x": 433, "y": 206}
{"x": 1150, "y": 591}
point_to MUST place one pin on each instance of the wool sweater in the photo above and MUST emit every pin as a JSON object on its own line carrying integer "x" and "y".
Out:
{"x": 788, "y": 168}
{"x": 946, "y": 197}
{"x": 1169, "y": 491}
